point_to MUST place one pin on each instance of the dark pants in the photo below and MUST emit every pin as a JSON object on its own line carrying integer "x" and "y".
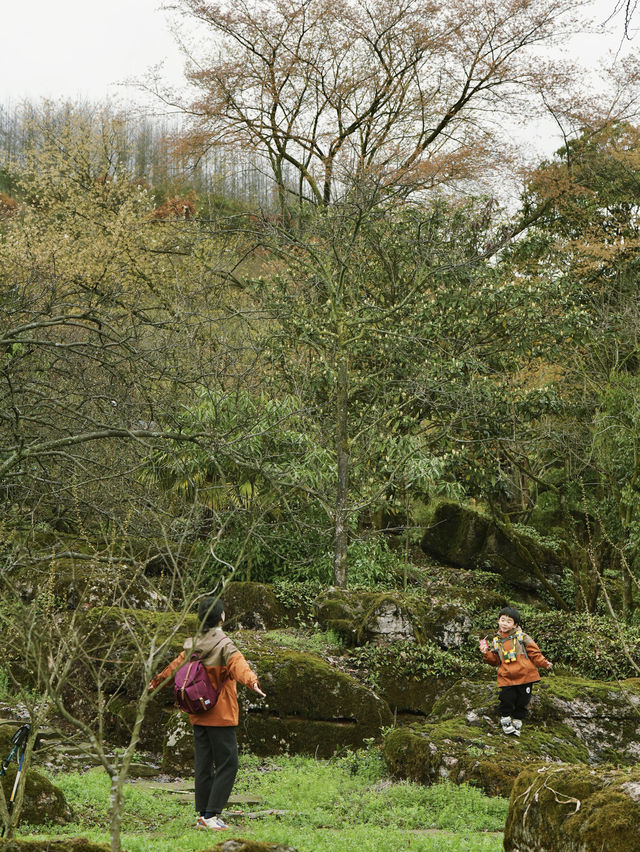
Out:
{"x": 216, "y": 766}
{"x": 514, "y": 700}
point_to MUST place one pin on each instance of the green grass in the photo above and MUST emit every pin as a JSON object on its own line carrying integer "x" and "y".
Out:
{"x": 340, "y": 805}
{"x": 317, "y": 642}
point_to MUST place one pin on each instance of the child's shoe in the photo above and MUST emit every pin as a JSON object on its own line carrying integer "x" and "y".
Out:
{"x": 507, "y": 725}
{"x": 517, "y": 726}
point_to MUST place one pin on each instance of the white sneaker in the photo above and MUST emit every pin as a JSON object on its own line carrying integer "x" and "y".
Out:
{"x": 507, "y": 725}
{"x": 517, "y": 725}
{"x": 214, "y": 823}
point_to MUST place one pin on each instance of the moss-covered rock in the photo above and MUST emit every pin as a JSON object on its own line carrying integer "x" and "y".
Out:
{"x": 69, "y": 583}
{"x": 254, "y": 606}
{"x": 464, "y": 537}
{"x": 340, "y": 610}
{"x": 391, "y": 616}
{"x": 572, "y": 720}
{"x": 474, "y": 750}
{"x": 58, "y": 844}
{"x": 311, "y": 708}
{"x": 573, "y": 809}
{"x": 43, "y": 802}
{"x": 311, "y": 705}
{"x": 456, "y": 534}
{"x": 602, "y": 716}
{"x": 407, "y": 696}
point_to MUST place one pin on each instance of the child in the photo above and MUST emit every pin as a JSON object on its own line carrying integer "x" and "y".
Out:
{"x": 214, "y": 731}
{"x": 517, "y": 657}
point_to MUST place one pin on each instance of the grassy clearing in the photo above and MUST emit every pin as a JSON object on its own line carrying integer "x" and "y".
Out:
{"x": 330, "y": 806}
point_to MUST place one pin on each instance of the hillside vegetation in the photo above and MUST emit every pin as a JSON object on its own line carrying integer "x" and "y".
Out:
{"x": 370, "y": 417}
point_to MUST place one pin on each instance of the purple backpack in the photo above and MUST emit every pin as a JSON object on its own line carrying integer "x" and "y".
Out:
{"x": 192, "y": 689}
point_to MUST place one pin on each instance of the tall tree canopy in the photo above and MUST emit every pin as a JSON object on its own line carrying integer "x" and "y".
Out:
{"x": 401, "y": 93}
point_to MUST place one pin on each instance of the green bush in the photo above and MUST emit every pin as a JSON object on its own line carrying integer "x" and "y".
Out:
{"x": 408, "y": 660}
{"x": 4, "y": 684}
{"x": 371, "y": 564}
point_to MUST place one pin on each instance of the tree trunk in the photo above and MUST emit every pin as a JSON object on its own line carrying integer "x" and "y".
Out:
{"x": 341, "y": 531}
{"x": 628, "y": 604}
{"x": 116, "y": 805}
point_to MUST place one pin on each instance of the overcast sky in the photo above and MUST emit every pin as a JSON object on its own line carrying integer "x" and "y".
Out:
{"x": 72, "y": 49}
{"x": 81, "y": 48}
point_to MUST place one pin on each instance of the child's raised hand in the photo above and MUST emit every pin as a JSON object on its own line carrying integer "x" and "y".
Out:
{"x": 484, "y": 646}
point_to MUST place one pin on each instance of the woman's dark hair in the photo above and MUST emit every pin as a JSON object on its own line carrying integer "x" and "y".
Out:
{"x": 511, "y": 612}
{"x": 210, "y": 612}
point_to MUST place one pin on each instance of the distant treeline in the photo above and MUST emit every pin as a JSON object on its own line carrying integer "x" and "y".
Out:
{"x": 148, "y": 147}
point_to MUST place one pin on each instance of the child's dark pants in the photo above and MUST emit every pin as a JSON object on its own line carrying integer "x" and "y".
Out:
{"x": 514, "y": 700}
{"x": 216, "y": 766}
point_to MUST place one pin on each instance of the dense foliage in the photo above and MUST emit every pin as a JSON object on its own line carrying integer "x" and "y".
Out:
{"x": 287, "y": 398}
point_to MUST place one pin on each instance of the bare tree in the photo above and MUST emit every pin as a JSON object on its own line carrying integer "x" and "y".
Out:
{"x": 77, "y": 669}
{"x": 401, "y": 92}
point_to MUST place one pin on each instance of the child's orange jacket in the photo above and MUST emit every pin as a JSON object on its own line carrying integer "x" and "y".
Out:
{"x": 524, "y": 669}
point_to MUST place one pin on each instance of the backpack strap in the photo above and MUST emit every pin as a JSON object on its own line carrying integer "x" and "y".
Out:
{"x": 519, "y": 641}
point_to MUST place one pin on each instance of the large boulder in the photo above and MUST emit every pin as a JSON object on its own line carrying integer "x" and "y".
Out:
{"x": 604, "y": 716}
{"x": 384, "y": 617}
{"x": 573, "y": 809}
{"x": 572, "y": 721}
{"x": 464, "y": 537}
{"x": 311, "y": 708}
{"x": 43, "y": 802}
{"x": 254, "y": 606}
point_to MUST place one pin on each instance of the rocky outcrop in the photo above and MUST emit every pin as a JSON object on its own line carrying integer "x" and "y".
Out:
{"x": 572, "y": 721}
{"x": 467, "y": 538}
{"x": 605, "y": 717}
{"x": 573, "y": 809}
{"x": 84, "y": 583}
{"x": 253, "y": 606}
{"x": 383, "y": 617}
{"x": 311, "y": 708}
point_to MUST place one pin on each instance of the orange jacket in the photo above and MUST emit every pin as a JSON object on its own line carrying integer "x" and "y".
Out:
{"x": 524, "y": 669}
{"x": 223, "y": 662}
